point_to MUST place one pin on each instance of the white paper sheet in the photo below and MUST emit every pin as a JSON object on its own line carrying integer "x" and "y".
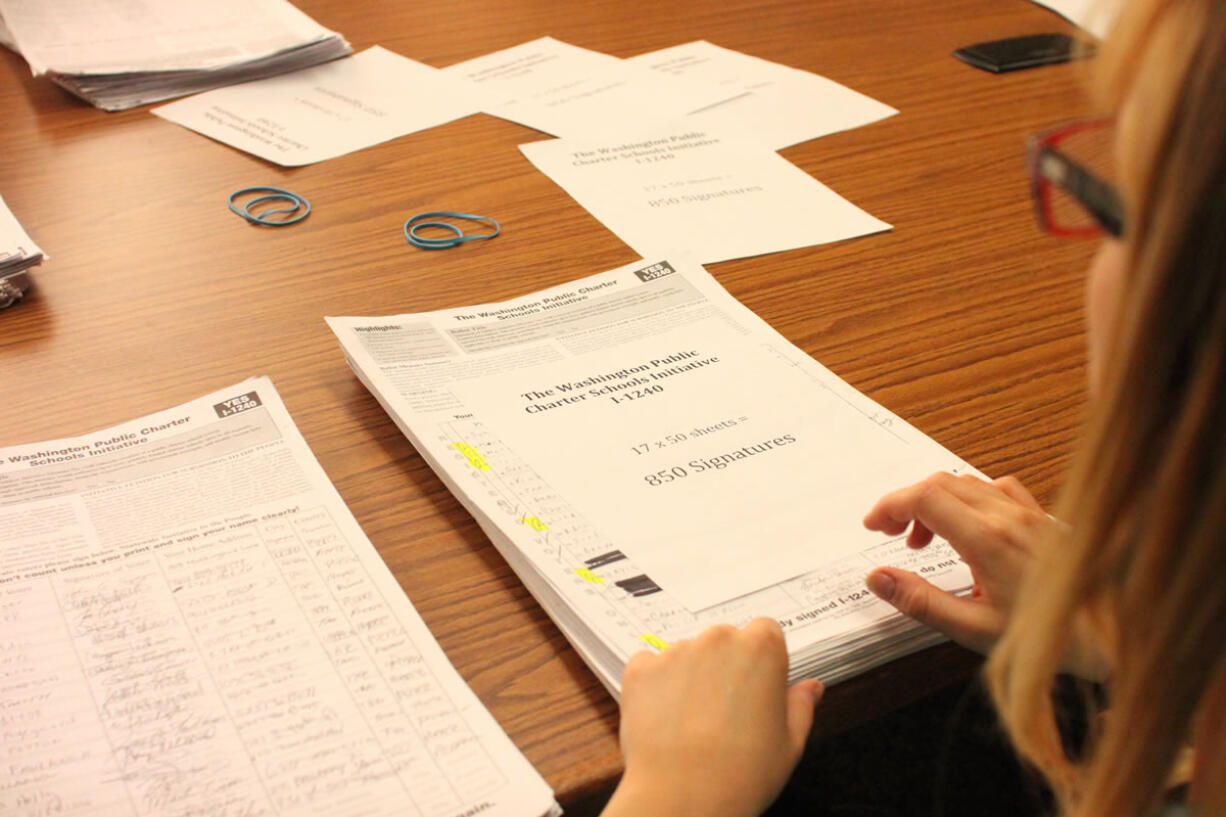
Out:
{"x": 709, "y": 516}
{"x": 565, "y": 90}
{"x": 93, "y": 36}
{"x": 329, "y": 110}
{"x": 1095, "y": 16}
{"x": 195, "y": 624}
{"x": 697, "y": 193}
{"x": 6, "y": 37}
{"x": 775, "y": 105}
{"x": 16, "y": 246}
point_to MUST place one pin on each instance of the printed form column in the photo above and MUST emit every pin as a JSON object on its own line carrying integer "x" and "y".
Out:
{"x": 301, "y": 729}
{"x": 51, "y": 735}
{"x": 175, "y": 746}
{"x": 430, "y": 745}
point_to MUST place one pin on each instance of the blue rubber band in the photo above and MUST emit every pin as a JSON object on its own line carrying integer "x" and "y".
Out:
{"x": 426, "y": 243}
{"x": 271, "y": 194}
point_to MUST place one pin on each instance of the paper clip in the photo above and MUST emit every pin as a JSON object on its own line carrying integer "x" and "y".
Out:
{"x": 422, "y": 242}
{"x": 271, "y": 194}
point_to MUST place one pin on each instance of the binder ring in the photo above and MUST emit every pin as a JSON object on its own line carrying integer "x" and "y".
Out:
{"x": 418, "y": 221}
{"x": 266, "y": 217}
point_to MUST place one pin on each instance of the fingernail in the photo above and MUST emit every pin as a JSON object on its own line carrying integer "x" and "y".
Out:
{"x": 881, "y": 584}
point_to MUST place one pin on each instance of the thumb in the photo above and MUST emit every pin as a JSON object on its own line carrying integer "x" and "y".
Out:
{"x": 971, "y": 624}
{"x": 802, "y": 699}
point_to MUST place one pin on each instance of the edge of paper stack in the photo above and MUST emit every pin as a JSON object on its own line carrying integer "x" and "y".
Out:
{"x": 158, "y": 51}
{"x": 606, "y": 607}
{"x": 18, "y": 253}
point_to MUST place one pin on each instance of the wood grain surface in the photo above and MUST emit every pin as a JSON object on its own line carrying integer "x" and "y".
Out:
{"x": 963, "y": 319}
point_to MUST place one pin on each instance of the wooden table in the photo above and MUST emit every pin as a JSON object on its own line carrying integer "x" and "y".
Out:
{"x": 964, "y": 319}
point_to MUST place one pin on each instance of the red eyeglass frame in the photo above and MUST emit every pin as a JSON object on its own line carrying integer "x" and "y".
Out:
{"x": 1050, "y": 168}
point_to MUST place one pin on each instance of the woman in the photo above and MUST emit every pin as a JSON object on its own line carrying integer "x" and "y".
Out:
{"x": 1132, "y": 590}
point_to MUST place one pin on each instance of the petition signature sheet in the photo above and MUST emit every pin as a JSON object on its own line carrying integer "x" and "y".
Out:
{"x": 195, "y": 624}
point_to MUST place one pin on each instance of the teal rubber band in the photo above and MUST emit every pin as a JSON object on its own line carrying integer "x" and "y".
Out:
{"x": 271, "y": 194}
{"x": 418, "y": 222}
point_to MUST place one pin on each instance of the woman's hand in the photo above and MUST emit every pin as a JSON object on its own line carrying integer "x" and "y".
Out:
{"x": 710, "y": 727}
{"x": 994, "y": 526}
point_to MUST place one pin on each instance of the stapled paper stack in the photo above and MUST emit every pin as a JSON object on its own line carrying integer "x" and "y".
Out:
{"x": 17, "y": 254}
{"x": 118, "y": 54}
{"x": 651, "y": 458}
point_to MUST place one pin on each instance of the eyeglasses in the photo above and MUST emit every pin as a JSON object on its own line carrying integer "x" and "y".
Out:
{"x": 1071, "y": 196}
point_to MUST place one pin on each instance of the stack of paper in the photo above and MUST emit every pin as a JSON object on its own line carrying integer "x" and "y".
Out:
{"x": 195, "y": 624}
{"x": 651, "y": 458}
{"x": 118, "y": 54}
{"x": 17, "y": 254}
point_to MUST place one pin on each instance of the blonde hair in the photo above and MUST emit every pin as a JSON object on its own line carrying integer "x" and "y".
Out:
{"x": 1144, "y": 562}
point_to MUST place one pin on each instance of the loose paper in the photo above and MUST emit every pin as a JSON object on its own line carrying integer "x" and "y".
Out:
{"x": 774, "y": 105}
{"x": 698, "y": 193}
{"x": 329, "y": 110}
{"x": 1095, "y": 16}
{"x": 565, "y": 90}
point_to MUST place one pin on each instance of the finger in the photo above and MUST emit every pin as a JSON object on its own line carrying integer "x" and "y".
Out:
{"x": 1013, "y": 488}
{"x": 715, "y": 634}
{"x": 919, "y": 537}
{"x": 1000, "y": 495}
{"x": 768, "y": 643}
{"x": 803, "y": 697}
{"x": 640, "y": 664}
{"x": 765, "y": 627}
{"x": 885, "y": 516}
{"x": 971, "y": 624}
{"x": 933, "y": 505}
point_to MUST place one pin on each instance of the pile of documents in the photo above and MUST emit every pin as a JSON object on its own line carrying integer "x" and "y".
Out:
{"x": 118, "y": 54}
{"x": 17, "y": 254}
{"x": 195, "y": 624}
{"x": 651, "y": 458}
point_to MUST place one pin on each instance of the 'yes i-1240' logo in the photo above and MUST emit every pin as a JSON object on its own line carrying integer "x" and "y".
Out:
{"x": 238, "y": 404}
{"x": 654, "y": 271}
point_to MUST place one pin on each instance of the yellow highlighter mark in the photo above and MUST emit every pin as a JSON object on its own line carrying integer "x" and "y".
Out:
{"x": 533, "y": 522}
{"x": 472, "y": 455}
{"x": 658, "y": 643}
{"x": 588, "y": 576}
